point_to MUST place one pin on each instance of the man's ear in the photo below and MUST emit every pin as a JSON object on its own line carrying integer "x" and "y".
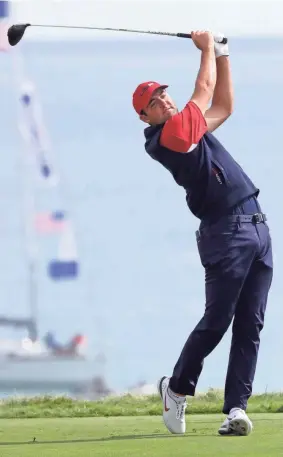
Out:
{"x": 144, "y": 118}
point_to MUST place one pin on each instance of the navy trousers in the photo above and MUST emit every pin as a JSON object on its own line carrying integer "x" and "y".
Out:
{"x": 237, "y": 258}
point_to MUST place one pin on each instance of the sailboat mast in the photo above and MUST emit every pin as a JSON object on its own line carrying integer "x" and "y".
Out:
{"x": 28, "y": 209}
{"x": 31, "y": 250}
{"x": 33, "y": 332}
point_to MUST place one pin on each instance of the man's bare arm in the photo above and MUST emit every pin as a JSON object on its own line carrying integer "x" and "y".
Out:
{"x": 206, "y": 78}
{"x": 205, "y": 81}
{"x": 223, "y": 98}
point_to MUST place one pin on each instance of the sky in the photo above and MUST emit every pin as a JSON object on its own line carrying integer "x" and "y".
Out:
{"x": 232, "y": 17}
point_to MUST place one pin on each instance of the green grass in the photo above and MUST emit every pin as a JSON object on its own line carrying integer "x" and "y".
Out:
{"x": 137, "y": 437}
{"x": 211, "y": 402}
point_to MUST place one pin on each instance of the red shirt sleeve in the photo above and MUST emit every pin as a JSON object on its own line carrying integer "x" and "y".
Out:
{"x": 184, "y": 129}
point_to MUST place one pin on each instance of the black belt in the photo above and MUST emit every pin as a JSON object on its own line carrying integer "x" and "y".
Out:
{"x": 256, "y": 218}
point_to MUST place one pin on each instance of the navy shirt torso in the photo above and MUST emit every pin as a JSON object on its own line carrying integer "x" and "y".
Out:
{"x": 214, "y": 182}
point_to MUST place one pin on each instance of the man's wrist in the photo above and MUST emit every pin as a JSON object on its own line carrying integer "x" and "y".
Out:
{"x": 208, "y": 51}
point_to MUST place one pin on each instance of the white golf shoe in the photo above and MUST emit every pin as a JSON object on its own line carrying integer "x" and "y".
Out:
{"x": 174, "y": 408}
{"x": 236, "y": 423}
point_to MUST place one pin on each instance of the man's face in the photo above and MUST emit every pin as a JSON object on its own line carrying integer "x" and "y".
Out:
{"x": 160, "y": 108}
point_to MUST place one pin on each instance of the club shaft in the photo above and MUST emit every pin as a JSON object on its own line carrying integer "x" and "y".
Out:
{"x": 109, "y": 29}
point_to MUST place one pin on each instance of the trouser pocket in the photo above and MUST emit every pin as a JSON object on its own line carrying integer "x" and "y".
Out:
{"x": 214, "y": 242}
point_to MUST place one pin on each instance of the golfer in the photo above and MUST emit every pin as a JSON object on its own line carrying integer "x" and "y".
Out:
{"x": 233, "y": 238}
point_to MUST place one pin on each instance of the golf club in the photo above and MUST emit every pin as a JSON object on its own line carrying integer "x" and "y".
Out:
{"x": 16, "y": 32}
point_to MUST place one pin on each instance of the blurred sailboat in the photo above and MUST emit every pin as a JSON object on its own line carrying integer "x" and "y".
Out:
{"x": 33, "y": 363}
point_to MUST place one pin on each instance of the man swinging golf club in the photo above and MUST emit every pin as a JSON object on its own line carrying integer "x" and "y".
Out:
{"x": 233, "y": 239}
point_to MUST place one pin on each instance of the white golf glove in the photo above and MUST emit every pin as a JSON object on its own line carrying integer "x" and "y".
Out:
{"x": 220, "y": 48}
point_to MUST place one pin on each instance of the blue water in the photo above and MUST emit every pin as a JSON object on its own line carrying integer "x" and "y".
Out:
{"x": 141, "y": 288}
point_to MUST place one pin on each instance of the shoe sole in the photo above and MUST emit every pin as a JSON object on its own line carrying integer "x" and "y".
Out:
{"x": 237, "y": 427}
{"x": 159, "y": 384}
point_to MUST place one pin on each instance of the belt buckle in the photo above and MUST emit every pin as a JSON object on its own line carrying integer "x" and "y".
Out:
{"x": 258, "y": 218}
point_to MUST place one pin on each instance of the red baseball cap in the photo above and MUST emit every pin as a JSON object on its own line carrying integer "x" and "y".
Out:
{"x": 143, "y": 94}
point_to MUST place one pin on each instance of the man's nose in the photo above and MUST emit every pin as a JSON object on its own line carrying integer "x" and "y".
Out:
{"x": 163, "y": 103}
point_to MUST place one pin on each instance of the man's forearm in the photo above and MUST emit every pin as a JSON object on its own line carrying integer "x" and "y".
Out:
{"x": 205, "y": 81}
{"x": 223, "y": 95}
{"x": 207, "y": 73}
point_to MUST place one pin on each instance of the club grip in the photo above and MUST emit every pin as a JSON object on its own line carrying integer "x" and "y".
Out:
{"x": 184, "y": 35}
{"x": 188, "y": 35}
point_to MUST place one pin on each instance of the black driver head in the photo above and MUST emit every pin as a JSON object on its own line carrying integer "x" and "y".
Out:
{"x": 16, "y": 32}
